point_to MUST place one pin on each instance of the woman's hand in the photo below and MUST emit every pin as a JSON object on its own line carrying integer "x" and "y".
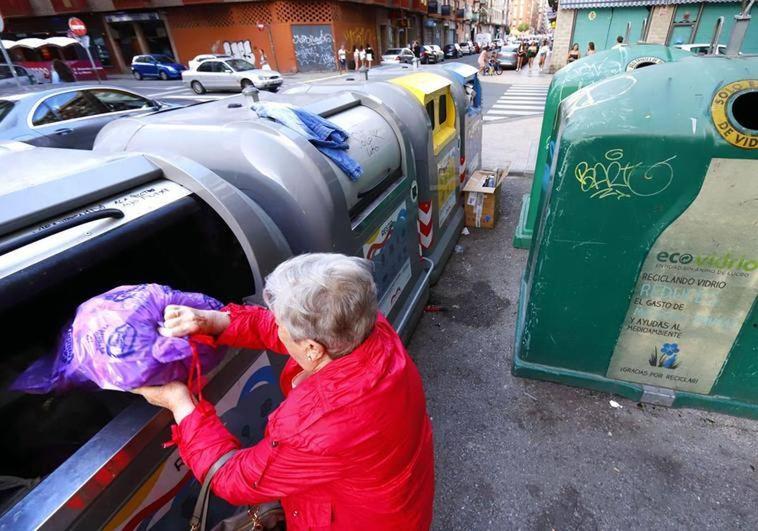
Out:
{"x": 174, "y": 396}
{"x": 180, "y": 321}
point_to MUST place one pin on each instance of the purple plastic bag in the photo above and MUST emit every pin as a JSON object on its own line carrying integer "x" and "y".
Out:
{"x": 114, "y": 343}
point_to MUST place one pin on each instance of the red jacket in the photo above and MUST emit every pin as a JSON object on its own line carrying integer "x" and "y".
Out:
{"x": 349, "y": 448}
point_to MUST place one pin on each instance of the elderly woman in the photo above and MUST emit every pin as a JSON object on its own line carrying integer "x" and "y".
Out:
{"x": 350, "y": 447}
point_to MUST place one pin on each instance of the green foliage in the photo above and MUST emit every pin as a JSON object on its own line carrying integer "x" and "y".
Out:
{"x": 523, "y": 27}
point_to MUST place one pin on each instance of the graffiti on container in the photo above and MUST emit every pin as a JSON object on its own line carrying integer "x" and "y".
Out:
{"x": 370, "y": 140}
{"x": 621, "y": 179}
{"x": 314, "y": 47}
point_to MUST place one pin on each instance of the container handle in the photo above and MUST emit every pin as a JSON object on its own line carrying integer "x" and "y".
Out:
{"x": 30, "y": 237}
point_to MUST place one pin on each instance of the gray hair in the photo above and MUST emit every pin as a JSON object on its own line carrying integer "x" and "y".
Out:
{"x": 327, "y": 298}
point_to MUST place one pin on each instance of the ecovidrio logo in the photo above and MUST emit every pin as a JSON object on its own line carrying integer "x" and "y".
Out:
{"x": 725, "y": 261}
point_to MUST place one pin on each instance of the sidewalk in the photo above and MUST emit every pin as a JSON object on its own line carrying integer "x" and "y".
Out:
{"x": 523, "y": 454}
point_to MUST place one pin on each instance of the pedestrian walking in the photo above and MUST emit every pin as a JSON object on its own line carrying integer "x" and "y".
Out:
{"x": 520, "y": 55}
{"x": 573, "y": 54}
{"x": 542, "y": 53}
{"x": 362, "y": 55}
{"x": 350, "y": 446}
{"x": 619, "y": 42}
{"x": 531, "y": 53}
{"x": 342, "y": 58}
{"x": 369, "y": 55}
{"x": 264, "y": 61}
{"x": 417, "y": 49}
{"x": 356, "y": 57}
{"x": 590, "y": 48}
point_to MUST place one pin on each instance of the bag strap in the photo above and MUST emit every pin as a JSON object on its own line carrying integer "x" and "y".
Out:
{"x": 197, "y": 522}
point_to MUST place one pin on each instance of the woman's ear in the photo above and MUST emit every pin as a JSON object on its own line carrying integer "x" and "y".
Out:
{"x": 315, "y": 351}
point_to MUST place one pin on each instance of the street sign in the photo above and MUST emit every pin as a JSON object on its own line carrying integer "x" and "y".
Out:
{"x": 77, "y": 27}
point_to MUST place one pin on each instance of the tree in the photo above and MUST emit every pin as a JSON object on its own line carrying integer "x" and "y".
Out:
{"x": 523, "y": 27}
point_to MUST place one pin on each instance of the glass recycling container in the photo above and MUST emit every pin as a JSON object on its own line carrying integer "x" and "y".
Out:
{"x": 643, "y": 276}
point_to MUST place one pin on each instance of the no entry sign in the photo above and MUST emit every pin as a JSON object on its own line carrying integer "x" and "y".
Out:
{"x": 77, "y": 27}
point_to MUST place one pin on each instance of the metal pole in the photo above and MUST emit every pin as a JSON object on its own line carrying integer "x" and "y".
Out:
{"x": 642, "y": 31}
{"x": 713, "y": 50}
{"x": 94, "y": 66}
{"x": 85, "y": 41}
{"x": 628, "y": 32}
{"x": 737, "y": 37}
{"x": 10, "y": 65}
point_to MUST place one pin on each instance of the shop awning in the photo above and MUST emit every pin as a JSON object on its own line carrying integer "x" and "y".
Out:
{"x": 33, "y": 43}
{"x": 599, "y": 4}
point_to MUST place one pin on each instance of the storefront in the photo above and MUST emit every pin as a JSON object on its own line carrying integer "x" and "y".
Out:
{"x": 137, "y": 33}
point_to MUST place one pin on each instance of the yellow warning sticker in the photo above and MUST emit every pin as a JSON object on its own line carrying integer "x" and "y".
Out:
{"x": 724, "y": 120}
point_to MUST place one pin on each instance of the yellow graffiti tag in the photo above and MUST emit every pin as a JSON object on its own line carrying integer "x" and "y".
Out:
{"x": 621, "y": 179}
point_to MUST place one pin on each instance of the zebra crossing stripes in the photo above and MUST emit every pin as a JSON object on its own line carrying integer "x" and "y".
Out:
{"x": 518, "y": 100}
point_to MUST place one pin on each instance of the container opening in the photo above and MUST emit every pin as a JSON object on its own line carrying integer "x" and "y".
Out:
{"x": 184, "y": 245}
{"x": 744, "y": 110}
{"x": 644, "y": 64}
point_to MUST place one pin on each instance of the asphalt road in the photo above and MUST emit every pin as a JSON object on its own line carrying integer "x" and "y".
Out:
{"x": 177, "y": 93}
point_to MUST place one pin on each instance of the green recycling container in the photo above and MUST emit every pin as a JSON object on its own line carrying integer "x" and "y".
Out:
{"x": 643, "y": 274}
{"x": 566, "y": 81}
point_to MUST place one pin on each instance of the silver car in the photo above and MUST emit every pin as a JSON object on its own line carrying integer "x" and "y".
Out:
{"x": 67, "y": 117}
{"x": 8, "y": 81}
{"x": 230, "y": 74}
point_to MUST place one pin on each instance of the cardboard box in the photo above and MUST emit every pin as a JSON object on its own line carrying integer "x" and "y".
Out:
{"x": 482, "y": 198}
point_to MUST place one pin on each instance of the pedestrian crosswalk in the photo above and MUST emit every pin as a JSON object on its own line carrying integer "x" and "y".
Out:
{"x": 519, "y": 100}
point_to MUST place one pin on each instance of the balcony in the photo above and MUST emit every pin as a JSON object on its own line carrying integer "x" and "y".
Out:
{"x": 445, "y": 10}
{"x": 460, "y": 13}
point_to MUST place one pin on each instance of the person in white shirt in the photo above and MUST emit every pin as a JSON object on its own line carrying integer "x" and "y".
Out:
{"x": 544, "y": 49}
{"x": 356, "y": 58}
{"x": 362, "y": 54}
{"x": 342, "y": 58}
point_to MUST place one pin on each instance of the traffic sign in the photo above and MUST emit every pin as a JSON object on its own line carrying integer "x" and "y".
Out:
{"x": 77, "y": 27}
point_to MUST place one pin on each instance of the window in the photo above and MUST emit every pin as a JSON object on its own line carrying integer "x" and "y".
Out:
{"x": 207, "y": 66}
{"x": 116, "y": 100}
{"x": 239, "y": 65}
{"x": 442, "y": 116}
{"x": 164, "y": 59}
{"x": 393, "y": 51}
{"x": 67, "y": 106}
{"x": 430, "y": 112}
{"x": 5, "y": 109}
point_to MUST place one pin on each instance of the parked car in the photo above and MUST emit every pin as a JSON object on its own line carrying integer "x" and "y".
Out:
{"x": 67, "y": 117}
{"x": 24, "y": 76}
{"x": 507, "y": 55}
{"x": 428, "y": 55}
{"x": 230, "y": 74}
{"x": 465, "y": 48}
{"x": 395, "y": 56}
{"x": 194, "y": 63}
{"x": 156, "y": 66}
{"x": 439, "y": 52}
{"x": 701, "y": 49}
{"x": 451, "y": 51}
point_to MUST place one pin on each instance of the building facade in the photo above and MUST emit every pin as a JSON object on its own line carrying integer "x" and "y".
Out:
{"x": 528, "y": 12}
{"x": 654, "y": 21}
{"x": 294, "y": 35}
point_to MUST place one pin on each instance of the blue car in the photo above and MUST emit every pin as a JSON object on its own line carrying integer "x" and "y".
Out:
{"x": 156, "y": 66}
